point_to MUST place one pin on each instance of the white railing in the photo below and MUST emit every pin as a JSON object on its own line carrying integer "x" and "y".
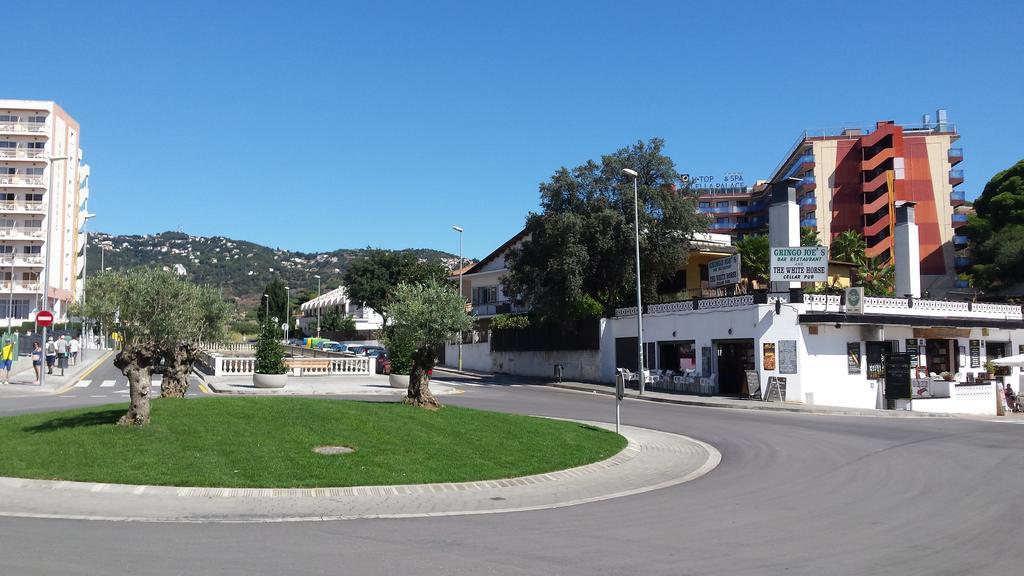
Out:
{"x": 727, "y": 302}
{"x": 627, "y": 311}
{"x": 23, "y": 127}
{"x": 246, "y": 365}
{"x": 23, "y": 206}
{"x": 228, "y": 347}
{"x": 351, "y": 365}
{"x": 234, "y": 366}
{"x": 14, "y": 232}
{"x": 15, "y": 153}
{"x": 22, "y": 179}
{"x": 668, "y": 307}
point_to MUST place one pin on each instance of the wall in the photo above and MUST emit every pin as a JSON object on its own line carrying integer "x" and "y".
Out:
{"x": 963, "y": 400}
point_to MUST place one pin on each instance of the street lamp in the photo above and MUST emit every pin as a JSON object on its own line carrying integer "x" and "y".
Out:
{"x": 287, "y": 311}
{"x": 460, "y": 231}
{"x": 46, "y": 259}
{"x": 266, "y": 317}
{"x": 639, "y": 304}
{"x": 318, "y": 304}
{"x": 85, "y": 264}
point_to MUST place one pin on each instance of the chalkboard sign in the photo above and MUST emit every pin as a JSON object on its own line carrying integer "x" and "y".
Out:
{"x": 753, "y": 383}
{"x": 787, "y": 356}
{"x": 897, "y": 375}
{"x": 912, "y": 349}
{"x": 705, "y": 360}
{"x": 975, "y": 353}
{"x": 776, "y": 390}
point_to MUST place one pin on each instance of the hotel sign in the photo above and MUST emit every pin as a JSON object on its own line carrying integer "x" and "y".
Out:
{"x": 800, "y": 264}
{"x": 724, "y": 271}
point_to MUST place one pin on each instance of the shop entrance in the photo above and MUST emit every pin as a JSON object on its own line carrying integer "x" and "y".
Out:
{"x": 677, "y": 356}
{"x": 942, "y": 356}
{"x": 734, "y": 357}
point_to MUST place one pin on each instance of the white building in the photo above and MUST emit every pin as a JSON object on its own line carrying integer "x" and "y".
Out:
{"x": 40, "y": 203}
{"x": 366, "y": 319}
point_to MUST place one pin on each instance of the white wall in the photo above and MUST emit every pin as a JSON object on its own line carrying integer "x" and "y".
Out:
{"x": 963, "y": 400}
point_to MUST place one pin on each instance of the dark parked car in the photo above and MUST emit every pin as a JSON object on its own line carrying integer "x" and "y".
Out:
{"x": 370, "y": 350}
{"x": 356, "y": 349}
{"x": 383, "y": 364}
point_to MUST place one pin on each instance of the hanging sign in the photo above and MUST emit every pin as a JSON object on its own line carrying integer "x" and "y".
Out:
{"x": 724, "y": 271}
{"x": 800, "y": 264}
{"x": 855, "y": 300}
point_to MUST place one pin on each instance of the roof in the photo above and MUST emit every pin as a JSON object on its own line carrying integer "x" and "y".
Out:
{"x": 497, "y": 252}
{"x": 335, "y": 297}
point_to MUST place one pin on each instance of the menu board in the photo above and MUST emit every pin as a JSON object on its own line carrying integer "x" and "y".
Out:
{"x": 914, "y": 352}
{"x": 753, "y": 383}
{"x": 768, "y": 360}
{"x": 705, "y": 360}
{"x": 975, "y": 347}
{"x": 897, "y": 375}
{"x": 853, "y": 358}
{"x": 787, "y": 356}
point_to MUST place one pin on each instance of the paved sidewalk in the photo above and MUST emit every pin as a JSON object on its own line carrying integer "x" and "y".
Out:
{"x": 354, "y": 385}
{"x": 22, "y": 381}
{"x": 695, "y": 400}
{"x": 651, "y": 460}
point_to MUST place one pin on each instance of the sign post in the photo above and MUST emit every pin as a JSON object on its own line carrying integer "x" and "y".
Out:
{"x": 44, "y": 318}
{"x": 620, "y": 391}
{"x": 799, "y": 264}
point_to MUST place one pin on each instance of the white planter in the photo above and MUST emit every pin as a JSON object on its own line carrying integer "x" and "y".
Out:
{"x": 269, "y": 380}
{"x": 399, "y": 380}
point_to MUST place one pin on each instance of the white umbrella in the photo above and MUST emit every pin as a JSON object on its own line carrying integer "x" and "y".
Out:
{"x": 1017, "y": 360}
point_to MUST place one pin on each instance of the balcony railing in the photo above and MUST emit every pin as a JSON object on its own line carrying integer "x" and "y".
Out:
{"x": 800, "y": 161}
{"x": 21, "y": 180}
{"x": 809, "y": 223}
{"x": 808, "y": 201}
{"x": 961, "y": 261}
{"x": 957, "y": 197}
{"x": 808, "y": 180}
{"x": 22, "y": 207}
{"x": 956, "y": 155}
{"x": 19, "y": 232}
{"x": 723, "y": 225}
{"x": 959, "y": 219}
{"x": 20, "y": 286}
{"x": 503, "y": 307}
{"x": 956, "y": 176}
{"x": 959, "y": 240}
{"x": 15, "y": 153}
{"x": 34, "y": 127}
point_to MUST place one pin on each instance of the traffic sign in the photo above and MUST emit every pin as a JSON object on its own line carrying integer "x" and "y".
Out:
{"x": 44, "y": 318}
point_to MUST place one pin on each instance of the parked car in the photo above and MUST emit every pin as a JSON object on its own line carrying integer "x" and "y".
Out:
{"x": 324, "y": 344}
{"x": 369, "y": 350}
{"x": 357, "y": 350}
{"x": 374, "y": 353}
{"x": 383, "y": 364}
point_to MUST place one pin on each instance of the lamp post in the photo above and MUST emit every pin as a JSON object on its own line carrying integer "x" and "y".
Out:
{"x": 266, "y": 317}
{"x": 639, "y": 304}
{"x": 46, "y": 259}
{"x": 318, "y": 304}
{"x": 85, "y": 265}
{"x": 460, "y": 231}
{"x": 287, "y": 311}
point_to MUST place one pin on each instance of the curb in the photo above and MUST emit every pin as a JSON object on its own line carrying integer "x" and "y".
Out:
{"x": 761, "y": 406}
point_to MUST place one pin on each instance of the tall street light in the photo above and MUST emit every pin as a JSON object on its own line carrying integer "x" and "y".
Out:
{"x": 287, "y": 311}
{"x": 46, "y": 258}
{"x": 85, "y": 265}
{"x": 317, "y": 276}
{"x": 639, "y": 304}
{"x": 460, "y": 231}
{"x": 266, "y": 316}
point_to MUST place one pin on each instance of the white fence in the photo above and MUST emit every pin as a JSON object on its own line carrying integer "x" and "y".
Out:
{"x": 229, "y": 347}
{"x": 220, "y": 365}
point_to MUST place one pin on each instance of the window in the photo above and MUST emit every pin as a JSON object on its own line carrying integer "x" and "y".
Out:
{"x": 723, "y": 205}
{"x": 8, "y": 144}
{"x": 705, "y": 205}
{"x": 33, "y": 171}
{"x": 32, "y": 250}
{"x": 36, "y": 119}
{"x": 33, "y": 224}
{"x": 30, "y": 276}
{"x": 36, "y": 145}
{"x": 33, "y": 197}
{"x": 7, "y": 197}
{"x": 6, "y": 170}
{"x": 7, "y": 118}
{"x": 6, "y": 249}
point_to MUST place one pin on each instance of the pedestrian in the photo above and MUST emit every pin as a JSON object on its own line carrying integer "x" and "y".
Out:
{"x": 51, "y": 354}
{"x": 7, "y": 359}
{"x": 73, "y": 347}
{"x": 37, "y": 359}
{"x": 62, "y": 352}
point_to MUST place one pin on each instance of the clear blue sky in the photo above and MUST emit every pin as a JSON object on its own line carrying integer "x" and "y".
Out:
{"x": 319, "y": 125}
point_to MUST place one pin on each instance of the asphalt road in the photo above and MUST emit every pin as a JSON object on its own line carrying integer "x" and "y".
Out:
{"x": 794, "y": 494}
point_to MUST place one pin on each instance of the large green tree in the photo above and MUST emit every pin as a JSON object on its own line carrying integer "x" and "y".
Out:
{"x": 754, "y": 257}
{"x": 424, "y": 316}
{"x": 996, "y": 230}
{"x": 581, "y": 245}
{"x": 278, "y": 297}
{"x": 372, "y": 281}
{"x": 154, "y": 312}
{"x": 180, "y": 358}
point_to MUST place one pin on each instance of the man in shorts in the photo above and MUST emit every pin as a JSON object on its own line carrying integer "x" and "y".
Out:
{"x": 7, "y": 358}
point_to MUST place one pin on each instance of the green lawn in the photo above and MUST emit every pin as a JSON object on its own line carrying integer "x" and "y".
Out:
{"x": 267, "y": 442}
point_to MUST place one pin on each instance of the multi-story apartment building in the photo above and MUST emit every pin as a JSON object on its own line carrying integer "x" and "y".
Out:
{"x": 849, "y": 179}
{"x": 41, "y": 201}
{"x": 736, "y": 210}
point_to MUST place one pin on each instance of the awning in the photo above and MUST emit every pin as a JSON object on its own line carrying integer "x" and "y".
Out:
{"x": 1017, "y": 360}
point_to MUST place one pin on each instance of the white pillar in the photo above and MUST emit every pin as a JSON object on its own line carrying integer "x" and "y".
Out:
{"x": 907, "y": 252}
{"x": 784, "y": 223}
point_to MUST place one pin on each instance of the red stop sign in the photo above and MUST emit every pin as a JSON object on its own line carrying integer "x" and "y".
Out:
{"x": 44, "y": 318}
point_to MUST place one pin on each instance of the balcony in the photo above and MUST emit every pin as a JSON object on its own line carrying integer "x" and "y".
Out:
{"x": 809, "y": 223}
{"x": 956, "y": 155}
{"x": 959, "y": 240}
{"x": 723, "y": 225}
{"x": 34, "y": 180}
{"x": 956, "y": 177}
{"x": 807, "y": 183}
{"x": 20, "y": 286}
{"x": 29, "y": 207}
{"x": 494, "y": 308}
{"x": 957, "y": 198}
{"x": 23, "y": 127}
{"x": 20, "y": 233}
{"x": 22, "y": 154}
{"x": 959, "y": 220}
{"x": 803, "y": 163}
{"x": 808, "y": 204}
{"x": 961, "y": 262}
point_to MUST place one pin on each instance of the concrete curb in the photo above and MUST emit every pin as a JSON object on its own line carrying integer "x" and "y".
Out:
{"x": 651, "y": 460}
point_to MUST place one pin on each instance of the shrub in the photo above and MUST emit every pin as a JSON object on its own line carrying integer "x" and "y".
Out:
{"x": 269, "y": 354}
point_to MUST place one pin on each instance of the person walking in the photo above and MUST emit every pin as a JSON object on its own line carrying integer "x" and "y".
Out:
{"x": 7, "y": 358}
{"x": 73, "y": 348}
{"x": 51, "y": 354}
{"x": 62, "y": 352}
{"x": 37, "y": 359}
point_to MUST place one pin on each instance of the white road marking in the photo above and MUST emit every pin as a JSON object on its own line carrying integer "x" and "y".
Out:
{"x": 97, "y": 396}
{"x": 107, "y": 384}
{"x": 1008, "y": 421}
{"x": 83, "y": 383}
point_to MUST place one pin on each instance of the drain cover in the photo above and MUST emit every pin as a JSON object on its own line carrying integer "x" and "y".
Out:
{"x": 330, "y": 450}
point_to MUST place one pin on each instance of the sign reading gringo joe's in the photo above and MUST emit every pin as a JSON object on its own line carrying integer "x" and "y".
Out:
{"x": 801, "y": 264}
{"x": 724, "y": 271}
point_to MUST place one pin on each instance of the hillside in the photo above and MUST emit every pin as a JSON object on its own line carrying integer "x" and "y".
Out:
{"x": 240, "y": 269}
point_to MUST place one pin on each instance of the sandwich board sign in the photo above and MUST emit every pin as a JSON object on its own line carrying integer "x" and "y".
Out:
{"x": 724, "y": 271}
{"x": 799, "y": 264}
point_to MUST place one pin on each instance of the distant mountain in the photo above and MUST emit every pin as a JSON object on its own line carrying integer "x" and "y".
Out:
{"x": 240, "y": 269}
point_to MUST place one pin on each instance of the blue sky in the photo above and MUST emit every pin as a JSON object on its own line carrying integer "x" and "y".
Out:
{"x": 320, "y": 125}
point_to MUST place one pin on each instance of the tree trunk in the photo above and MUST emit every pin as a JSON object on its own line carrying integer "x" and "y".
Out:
{"x": 136, "y": 361}
{"x": 419, "y": 380}
{"x": 177, "y": 370}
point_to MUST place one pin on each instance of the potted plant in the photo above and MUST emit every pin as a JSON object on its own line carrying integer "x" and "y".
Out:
{"x": 400, "y": 352}
{"x": 271, "y": 371}
{"x": 990, "y": 370}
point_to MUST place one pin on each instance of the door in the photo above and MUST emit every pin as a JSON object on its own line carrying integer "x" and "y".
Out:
{"x": 734, "y": 358}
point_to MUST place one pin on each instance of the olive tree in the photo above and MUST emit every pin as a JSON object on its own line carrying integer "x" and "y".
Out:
{"x": 155, "y": 312}
{"x": 425, "y": 316}
{"x": 179, "y": 359}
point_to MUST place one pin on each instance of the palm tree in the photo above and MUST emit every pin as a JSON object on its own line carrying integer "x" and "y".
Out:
{"x": 753, "y": 252}
{"x": 877, "y": 279}
{"x": 849, "y": 246}
{"x": 809, "y": 237}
